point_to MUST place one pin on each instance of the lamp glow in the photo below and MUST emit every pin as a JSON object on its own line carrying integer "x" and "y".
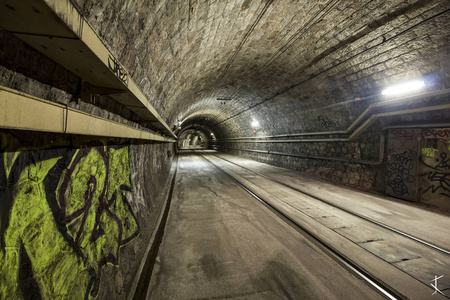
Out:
{"x": 404, "y": 88}
{"x": 255, "y": 123}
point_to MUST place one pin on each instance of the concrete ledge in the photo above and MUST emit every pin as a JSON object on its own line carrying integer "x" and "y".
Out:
{"x": 59, "y": 31}
{"x": 25, "y": 112}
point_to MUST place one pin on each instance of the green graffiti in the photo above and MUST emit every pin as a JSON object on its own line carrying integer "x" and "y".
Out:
{"x": 69, "y": 221}
{"x": 120, "y": 182}
{"x": 429, "y": 152}
{"x": 31, "y": 224}
{"x": 9, "y": 159}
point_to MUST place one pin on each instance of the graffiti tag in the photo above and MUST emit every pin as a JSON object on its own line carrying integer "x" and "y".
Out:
{"x": 439, "y": 175}
{"x": 401, "y": 133}
{"x": 117, "y": 69}
{"x": 429, "y": 151}
{"x": 327, "y": 123}
{"x": 403, "y": 139}
{"x": 400, "y": 171}
{"x": 436, "y": 133}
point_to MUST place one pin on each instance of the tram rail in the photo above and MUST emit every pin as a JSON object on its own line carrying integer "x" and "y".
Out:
{"x": 390, "y": 228}
{"x": 378, "y": 284}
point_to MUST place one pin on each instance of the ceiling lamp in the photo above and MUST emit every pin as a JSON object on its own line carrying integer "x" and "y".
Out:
{"x": 404, "y": 88}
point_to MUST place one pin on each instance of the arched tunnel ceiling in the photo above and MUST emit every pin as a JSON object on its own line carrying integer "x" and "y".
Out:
{"x": 274, "y": 59}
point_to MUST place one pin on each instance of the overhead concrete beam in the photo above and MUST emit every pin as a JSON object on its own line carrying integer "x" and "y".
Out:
{"x": 58, "y": 30}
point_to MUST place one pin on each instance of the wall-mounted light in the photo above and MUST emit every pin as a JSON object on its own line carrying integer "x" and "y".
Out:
{"x": 404, "y": 88}
{"x": 255, "y": 125}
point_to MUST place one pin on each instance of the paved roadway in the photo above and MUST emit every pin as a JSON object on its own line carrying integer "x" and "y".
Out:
{"x": 222, "y": 243}
{"x": 402, "y": 263}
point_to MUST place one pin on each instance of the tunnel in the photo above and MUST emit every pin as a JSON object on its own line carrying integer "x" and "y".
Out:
{"x": 200, "y": 149}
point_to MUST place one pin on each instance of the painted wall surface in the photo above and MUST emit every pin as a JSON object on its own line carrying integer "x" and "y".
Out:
{"x": 76, "y": 214}
{"x": 68, "y": 215}
{"x": 434, "y": 167}
{"x": 401, "y": 165}
{"x": 418, "y": 165}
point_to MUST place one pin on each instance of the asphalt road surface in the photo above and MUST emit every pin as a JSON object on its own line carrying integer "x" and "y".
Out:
{"x": 220, "y": 243}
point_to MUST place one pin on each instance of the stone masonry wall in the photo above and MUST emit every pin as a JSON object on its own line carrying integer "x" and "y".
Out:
{"x": 341, "y": 76}
{"x": 76, "y": 213}
{"x": 350, "y": 172}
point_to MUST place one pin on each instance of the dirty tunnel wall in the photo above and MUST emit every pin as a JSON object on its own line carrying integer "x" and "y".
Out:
{"x": 77, "y": 213}
{"x": 69, "y": 214}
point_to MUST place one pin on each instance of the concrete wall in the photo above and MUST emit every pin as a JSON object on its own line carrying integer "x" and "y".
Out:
{"x": 76, "y": 213}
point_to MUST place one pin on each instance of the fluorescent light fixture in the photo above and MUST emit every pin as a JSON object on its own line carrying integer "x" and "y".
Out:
{"x": 255, "y": 123}
{"x": 408, "y": 87}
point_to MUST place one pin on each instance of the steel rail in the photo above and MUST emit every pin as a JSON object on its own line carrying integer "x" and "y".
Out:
{"x": 375, "y": 283}
{"x": 402, "y": 233}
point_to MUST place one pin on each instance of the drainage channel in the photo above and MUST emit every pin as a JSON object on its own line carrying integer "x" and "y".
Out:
{"x": 145, "y": 277}
{"x": 375, "y": 283}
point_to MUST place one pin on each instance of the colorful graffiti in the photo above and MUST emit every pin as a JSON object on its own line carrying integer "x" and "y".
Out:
{"x": 64, "y": 216}
{"x": 400, "y": 139}
{"x": 436, "y": 171}
{"x": 429, "y": 151}
{"x": 436, "y": 133}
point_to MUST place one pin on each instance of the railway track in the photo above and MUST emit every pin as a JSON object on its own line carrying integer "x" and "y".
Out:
{"x": 379, "y": 284}
{"x": 421, "y": 241}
